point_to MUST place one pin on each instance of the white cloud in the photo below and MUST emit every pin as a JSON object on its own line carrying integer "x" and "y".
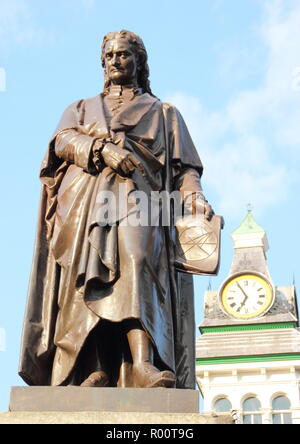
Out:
{"x": 217, "y": 4}
{"x": 18, "y": 25}
{"x": 88, "y": 3}
{"x": 250, "y": 147}
{"x": 77, "y": 6}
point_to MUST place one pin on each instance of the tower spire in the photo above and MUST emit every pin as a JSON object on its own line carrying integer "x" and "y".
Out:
{"x": 249, "y": 224}
{"x": 250, "y": 245}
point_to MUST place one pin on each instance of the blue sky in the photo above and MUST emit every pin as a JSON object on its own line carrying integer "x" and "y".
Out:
{"x": 233, "y": 69}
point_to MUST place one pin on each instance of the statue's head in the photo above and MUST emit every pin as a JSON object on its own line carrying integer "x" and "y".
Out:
{"x": 125, "y": 60}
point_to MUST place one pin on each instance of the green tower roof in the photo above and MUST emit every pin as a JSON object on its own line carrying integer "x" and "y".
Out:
{"x": 249, "y": 225}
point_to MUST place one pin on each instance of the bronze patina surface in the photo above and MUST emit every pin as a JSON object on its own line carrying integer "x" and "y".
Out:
{"x": 106, "y": 306}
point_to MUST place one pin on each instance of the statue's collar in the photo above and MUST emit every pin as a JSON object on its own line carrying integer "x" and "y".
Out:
{"x": 121, "y": 90}
{"x": 128, "y": 116}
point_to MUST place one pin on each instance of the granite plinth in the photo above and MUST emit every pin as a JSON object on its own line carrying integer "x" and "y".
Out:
{"x": 85, "y": 399}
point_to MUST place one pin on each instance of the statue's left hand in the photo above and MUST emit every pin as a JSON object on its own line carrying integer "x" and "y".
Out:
{"x": 201, "y": 206}
{"x": 208, "y": 211}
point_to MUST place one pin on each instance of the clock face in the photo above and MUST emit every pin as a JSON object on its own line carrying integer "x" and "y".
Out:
{"x": 246, "y": 296}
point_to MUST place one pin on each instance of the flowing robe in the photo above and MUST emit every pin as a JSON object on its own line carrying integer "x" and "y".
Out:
{"x": 83, "y": 272}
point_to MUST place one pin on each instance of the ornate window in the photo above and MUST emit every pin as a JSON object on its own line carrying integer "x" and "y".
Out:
{"x": 222, "y": 405}
{"x": 251, "y": 411}
{"x": 281, "y": 410}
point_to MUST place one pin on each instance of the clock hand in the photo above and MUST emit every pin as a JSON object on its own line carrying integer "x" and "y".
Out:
{"x": 243, "y": 291}
{"x": 245, "y": 299}
{"x": 242, "y": 304}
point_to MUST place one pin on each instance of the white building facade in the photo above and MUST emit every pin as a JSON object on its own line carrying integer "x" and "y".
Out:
{"x": 256, "y": 393}
{"x": 248, "y": 357}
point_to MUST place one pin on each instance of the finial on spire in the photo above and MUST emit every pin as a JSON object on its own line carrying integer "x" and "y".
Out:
{"x": 249, "y": 208}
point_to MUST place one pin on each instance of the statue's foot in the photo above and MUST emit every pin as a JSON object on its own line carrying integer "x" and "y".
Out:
{"x": 148, "y": 376}
{"x": 97, "y": 379}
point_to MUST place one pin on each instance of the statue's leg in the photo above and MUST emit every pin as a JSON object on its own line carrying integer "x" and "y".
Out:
{"x": 144, "y": 373}
{"x": 94, "y": 359}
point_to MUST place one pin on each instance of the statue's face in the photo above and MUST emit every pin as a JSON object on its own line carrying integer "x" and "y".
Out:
{"x": 120, "y": 62}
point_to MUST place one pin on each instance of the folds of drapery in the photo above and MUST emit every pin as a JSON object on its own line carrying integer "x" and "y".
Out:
{"x": 72, "y": 251}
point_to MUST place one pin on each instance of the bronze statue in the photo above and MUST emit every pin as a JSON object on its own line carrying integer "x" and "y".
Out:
{"x": 106, "y": 306}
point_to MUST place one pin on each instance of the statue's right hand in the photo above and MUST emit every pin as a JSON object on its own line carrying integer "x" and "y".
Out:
{"x": 118, "y": 159}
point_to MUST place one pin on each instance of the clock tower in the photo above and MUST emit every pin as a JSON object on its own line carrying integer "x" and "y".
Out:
{"x": 248, "y": 357}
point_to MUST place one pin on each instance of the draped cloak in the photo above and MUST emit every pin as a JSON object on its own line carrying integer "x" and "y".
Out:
{"x": 83, "y": 272}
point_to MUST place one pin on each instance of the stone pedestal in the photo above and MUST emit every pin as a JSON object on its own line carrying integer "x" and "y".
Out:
{"x": 78, "y": 405}
{"x": 81, "y": 399}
